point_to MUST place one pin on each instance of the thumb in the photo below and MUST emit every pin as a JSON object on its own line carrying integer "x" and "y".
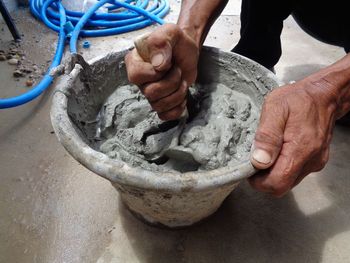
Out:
{"x": 269, "y": 135}
{"x": 160, "y": 45}
{"x": 161, "y": 58}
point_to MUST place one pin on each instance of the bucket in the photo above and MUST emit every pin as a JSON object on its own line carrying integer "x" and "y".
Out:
{"x": 170, "y": 199}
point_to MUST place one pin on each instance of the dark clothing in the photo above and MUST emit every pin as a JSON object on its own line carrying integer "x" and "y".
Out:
{"x": 262, "y": 23}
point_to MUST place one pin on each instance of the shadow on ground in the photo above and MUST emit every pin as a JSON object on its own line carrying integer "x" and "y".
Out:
{"x": 298, "y": 72}
{"x": 253, "y": 227}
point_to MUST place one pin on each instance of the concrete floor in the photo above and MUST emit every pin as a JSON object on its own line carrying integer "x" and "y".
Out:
{"x": 54, "y": 210}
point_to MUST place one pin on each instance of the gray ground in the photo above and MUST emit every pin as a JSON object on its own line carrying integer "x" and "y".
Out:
{"x": 54, "y": 210}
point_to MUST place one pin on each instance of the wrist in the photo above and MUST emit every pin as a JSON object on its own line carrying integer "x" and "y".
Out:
{"x": 332, "y": 88}
{"x": 194, "y": 19}
{"x": 193, "y": 32}
{"x": 197, "y": 16}
{"x": 342, "y": 89}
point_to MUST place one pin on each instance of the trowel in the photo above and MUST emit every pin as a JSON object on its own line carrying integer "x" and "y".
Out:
{"x": 174, "y": 150}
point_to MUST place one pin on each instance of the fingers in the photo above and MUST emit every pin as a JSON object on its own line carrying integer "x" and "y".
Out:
{"x": 140, "y": 72}
{"x": 169, "y": 107}
{"x": 315, "y": 165}
{"x": 160, "y": 45}
{"x": 163, "y": 56}
{"x": 290, "y": 168}
{"x": 168, "y": 70}
{"x": 292, "y": 139}
{"x": 167, "y": 95}
{"x": 171, "y": 101}
{"x": 174, "y": 113}
{"x": 269, "y": 136}
{"x": 169, "y": 45}
{"x": 280, "y": 178}
{"x": 163, "y": 88}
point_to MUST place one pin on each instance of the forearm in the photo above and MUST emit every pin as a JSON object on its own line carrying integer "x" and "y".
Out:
{"x": 197, "y": 16}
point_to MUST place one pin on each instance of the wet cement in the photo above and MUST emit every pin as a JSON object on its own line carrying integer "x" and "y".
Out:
{"x": 219, "y": 135}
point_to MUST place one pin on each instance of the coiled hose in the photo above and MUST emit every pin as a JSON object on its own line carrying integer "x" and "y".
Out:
{"x": 122, "y": 17}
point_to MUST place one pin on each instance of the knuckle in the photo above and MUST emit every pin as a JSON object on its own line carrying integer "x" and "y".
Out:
{"x": 315, "y": 146}
{"x": 319, "y": 167}
{"x": 127, "y": 58}
{"x": 279, "y": 184}
{"x": 172, "y": 28}
{"x": 184, "y": 88}
{"x": 322, "y": 162}
{"x": 132, "y": 76}
{"x": 172, "y": 101}
{"x": 156, "y": 40}
{"x": 180, "y": 97}
{"x": 150, "y": 91}
{"x": 183, "y": 105}
{"x": 175, "y": 114}
{"x": 173, "y": 78}
{"x": 158, "y": 106}
{"x": 276, "y": 104}
{"x": 269, "y": 98}
{"x": 270, "y": 186}
{"x": 278, "y": 189}
{"x": 272, "y": 96}
{"x": 160, "y": 37}
{"x": 255, "y": 182}
{"x": 130, "y": 56}
{"x": 163, "y": 117}
{"x": 311, "y": 141}
{"x": 280, "y": 194}
{"x": 193, "y": 76}
{"x": 133, "y": 79}
{"x": 325, "y": 157}
{"x": 329, "y": 138}
{"x": 290, "y": 171}
{"x": 171, "y": 115}
{"x": 177, "y": 74}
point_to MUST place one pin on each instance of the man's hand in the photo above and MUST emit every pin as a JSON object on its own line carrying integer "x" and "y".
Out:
{"x": 294, "y": 134}
{"x": 172, "y": 69}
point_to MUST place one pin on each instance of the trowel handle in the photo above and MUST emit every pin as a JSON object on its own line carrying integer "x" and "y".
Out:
{"x": 143, "y": 50}
{"x": 142, "y": 47}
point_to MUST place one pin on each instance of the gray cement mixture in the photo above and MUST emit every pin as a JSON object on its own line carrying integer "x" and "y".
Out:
{"x": 219, "y": 135}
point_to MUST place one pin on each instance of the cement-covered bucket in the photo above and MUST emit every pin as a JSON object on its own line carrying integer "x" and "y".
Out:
{"x": 171, "y": 199}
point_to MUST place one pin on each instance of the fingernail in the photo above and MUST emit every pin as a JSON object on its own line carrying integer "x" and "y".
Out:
{"x": 261, "y": 156}
{"x": 157, "y": 60}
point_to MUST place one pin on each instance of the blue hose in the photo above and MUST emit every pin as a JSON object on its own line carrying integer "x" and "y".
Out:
{"x": 132, "y": 15}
